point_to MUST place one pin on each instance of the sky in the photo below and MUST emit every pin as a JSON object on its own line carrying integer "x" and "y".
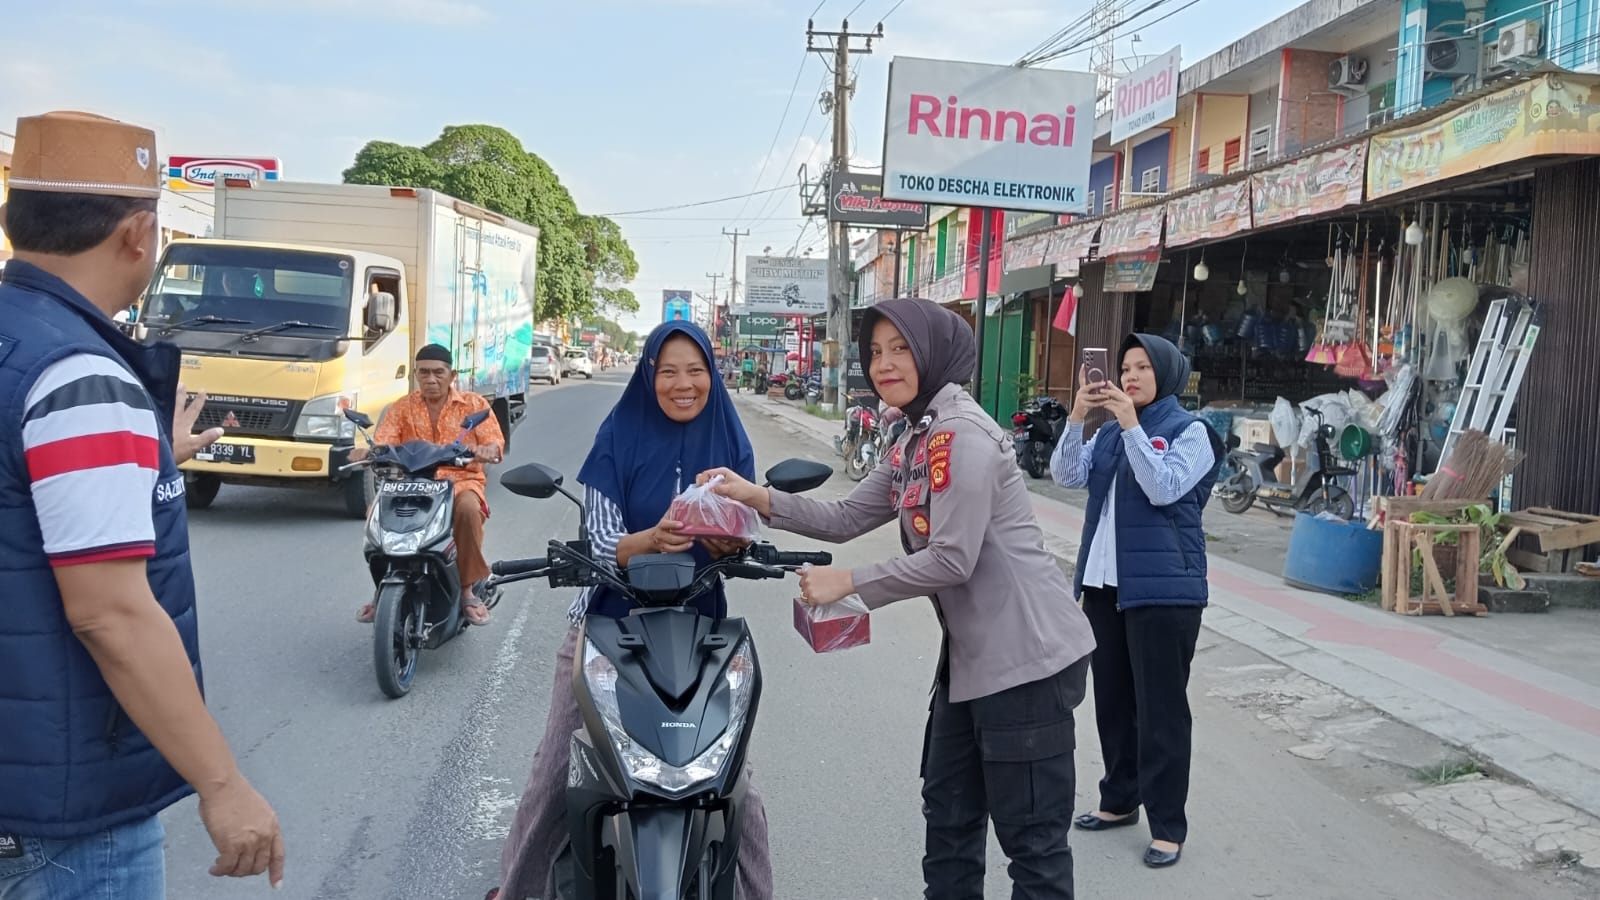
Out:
{"x": 636, "y": 104}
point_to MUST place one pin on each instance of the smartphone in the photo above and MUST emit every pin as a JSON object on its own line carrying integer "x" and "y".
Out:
{"x": 1095, "y": 363}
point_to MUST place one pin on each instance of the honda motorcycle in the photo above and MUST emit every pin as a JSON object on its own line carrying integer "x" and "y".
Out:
{"x": 1036, "y": 429}
{"x": 668, "y": 697}
{"x": 411, "y": 551}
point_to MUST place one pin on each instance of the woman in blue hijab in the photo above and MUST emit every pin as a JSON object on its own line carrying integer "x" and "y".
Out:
{"x": 674, "y": 421}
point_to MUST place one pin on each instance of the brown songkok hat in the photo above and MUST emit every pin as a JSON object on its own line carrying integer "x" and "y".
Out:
{"x": 82, "y": 153}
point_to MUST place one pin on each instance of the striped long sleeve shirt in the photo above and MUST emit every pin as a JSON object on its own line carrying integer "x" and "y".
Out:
{"x": 92, "y": 445}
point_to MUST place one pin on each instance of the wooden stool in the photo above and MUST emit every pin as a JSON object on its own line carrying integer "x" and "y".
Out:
{"x": 1400, "y": 539}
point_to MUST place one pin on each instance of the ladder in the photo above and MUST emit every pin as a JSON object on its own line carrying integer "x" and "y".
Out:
{"x": 1495, "y": 374}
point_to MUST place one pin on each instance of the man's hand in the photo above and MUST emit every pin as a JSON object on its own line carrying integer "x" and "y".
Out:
{"x": 245, "y": 831}
{"x": 824, "y": 585}
{"x": 186, "y": 412}
{"x": 489, "y": 453}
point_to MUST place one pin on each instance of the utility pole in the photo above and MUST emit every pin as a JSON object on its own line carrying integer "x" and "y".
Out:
{"x": 716, "y": 320}
{"x": 733, "y": 292}
{"x": 838, "y": 102}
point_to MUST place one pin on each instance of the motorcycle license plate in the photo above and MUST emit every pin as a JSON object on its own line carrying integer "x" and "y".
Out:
{"x": 227, "y": 453}
{"x": 413, "y": 487}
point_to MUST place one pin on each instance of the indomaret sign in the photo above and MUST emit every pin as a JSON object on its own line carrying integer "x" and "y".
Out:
{"x": 969, "y": 134}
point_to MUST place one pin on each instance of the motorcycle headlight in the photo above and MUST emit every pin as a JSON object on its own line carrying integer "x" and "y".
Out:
{"x": 323, "y": 418}
{"x": 600, "y": 675}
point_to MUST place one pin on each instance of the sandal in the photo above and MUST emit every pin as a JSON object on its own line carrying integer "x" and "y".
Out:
{"x": 476, "y": 611}
{"x": 367, "y": 613}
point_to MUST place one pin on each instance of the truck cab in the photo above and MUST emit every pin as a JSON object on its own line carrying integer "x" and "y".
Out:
{"x": 283, "y": 338}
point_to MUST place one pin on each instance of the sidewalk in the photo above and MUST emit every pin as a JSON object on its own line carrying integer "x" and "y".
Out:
{"x": 1513, "y": 710}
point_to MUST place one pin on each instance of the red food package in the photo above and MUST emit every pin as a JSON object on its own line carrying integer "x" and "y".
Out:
{"x": 705, "y": 513}
{"x": 838, "y": 626}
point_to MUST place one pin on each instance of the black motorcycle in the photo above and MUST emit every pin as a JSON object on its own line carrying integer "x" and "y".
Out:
{"x": 1036, "y": 429}
{"x": 656, "y": 786}
{"x": 1247, "y": 476}
{"x": 411, "y": 551}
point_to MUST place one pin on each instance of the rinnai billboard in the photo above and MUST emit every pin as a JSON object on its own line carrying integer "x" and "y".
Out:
{"x": 1146, "y": 98}
{"x": 786, "y": 285}
{"x": 201, "y": 173}
{"x": 969, "y": 134}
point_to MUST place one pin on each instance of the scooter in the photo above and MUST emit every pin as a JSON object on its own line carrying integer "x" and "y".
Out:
{"x": 1037, "y": 428}
{"x": 859, "y": 443}
{"x": 411, "y": 551}
{"x": 814, "y": 389}
{"x": 1250, "y": 475}
{"x": 656, "y": 785}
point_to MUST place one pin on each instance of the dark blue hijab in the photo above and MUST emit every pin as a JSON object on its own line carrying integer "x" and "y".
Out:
{"x": 642, "y": 459}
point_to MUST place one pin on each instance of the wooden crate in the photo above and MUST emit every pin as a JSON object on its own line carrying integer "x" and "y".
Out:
{"x": 1559, "y": 535}
{"x": 1400, "y": 538}
{"x": 1399, "y": 509}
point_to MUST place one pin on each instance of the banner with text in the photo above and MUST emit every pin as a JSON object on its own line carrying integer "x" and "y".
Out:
{"x": 1132, "y": 272}
{"x": 1209, "y": 215}
{"x": 999, "y": 137}
{"x": 761, "y": 325}
{"x": 1313, "y": 185}
{"x": 856, "y": 198}
{"x": 1146, "y": 98}
{"x": 1552, "y": 115}
{"x": 787, "y": 285}
{"x": 1069, "y": 247}
{"x": 1132, "y": 231}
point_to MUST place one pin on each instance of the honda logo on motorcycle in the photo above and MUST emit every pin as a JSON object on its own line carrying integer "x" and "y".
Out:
{"x": 679, "y": 725}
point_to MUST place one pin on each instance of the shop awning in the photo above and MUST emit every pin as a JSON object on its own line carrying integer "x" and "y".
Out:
{"x": 1546, "y": 116}
{"x": 1210, "y": 214}
{"x": 1312, "y": 185}
{"x": 1133, "y": 231}
{"x": 1069, "y": 246}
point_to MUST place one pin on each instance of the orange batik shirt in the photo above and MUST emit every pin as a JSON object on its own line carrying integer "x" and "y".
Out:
{"x": 408, "y": 420}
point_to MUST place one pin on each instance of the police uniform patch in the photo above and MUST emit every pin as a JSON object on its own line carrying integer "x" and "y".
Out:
{"x": 939, "y": 461}
{"x": 919, "y": 524}
{"x": 894, "y": 456}
{"x": 941, "y": 439}
{"x": 913, "y": 496}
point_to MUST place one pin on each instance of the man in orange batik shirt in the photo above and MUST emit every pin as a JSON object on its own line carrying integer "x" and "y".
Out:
{"x": 434, "y": 412}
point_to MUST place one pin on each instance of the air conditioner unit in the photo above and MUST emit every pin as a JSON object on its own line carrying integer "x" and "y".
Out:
{"x": 1347, "y": 73}
{"x": 1518, "y": 44}
{"x": 1451, "y": 56}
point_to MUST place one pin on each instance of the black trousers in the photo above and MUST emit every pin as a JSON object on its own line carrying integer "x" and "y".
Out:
{"x": 1008, "y": 758}
{"x": 1141, "y": 679}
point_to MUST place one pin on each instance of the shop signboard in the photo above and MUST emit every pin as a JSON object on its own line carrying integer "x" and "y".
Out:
{"x": 1146, "y": 98}
{"x": 1210, "y": 214}
{"x": 1310, "y": 186}
{"x": 856, "y": 198}
{"x": 1133, "y": 231}
{"x": 201, "y": 173}
{"x": 1547, "y": 116}
{"x": 677, "y": 305}
{"x": 786, "y": 285}
{"x": 1027, "y": 251}
{"x": 761, "y": 325}
{"x": 1069, "y": 247}
{"x": 996, "y": 137}
{"x": 1132, "y": 272}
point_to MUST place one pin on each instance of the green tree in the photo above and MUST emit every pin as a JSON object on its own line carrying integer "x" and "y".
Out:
{"x": 584, "y": 261}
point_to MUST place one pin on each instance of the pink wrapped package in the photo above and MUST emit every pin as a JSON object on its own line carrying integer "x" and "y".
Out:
{"x": 705, "y": 513}
{"x": 838, "y": 626}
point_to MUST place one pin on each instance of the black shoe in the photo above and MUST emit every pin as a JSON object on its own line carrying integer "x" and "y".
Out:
{"x": 1092, "y": 822}
{"x": 1161, "y": 859}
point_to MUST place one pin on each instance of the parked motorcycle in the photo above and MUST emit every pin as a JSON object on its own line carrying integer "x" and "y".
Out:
{"x": 814, "y": 389}
{"x": 411, "y": 552}
{"x": 656, "y": 785}
{"x": 1250, "y": 475}
{"x": 1036, "y": 429}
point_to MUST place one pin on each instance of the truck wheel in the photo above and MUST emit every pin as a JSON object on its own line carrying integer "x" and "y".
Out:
{"x": 201, "y": 491}
{"x": 359, "y": 491}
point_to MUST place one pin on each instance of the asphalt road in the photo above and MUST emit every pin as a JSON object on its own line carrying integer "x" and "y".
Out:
{"x": 409, "y": 799}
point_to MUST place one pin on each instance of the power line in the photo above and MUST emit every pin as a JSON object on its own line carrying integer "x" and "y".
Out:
{"x": 656, "y": 209}
{"x": 885, "y": 16}
{"x": 777, "y": 133}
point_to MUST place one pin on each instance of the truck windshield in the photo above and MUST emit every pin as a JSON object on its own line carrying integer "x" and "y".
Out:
{"x": 229, "y": 288}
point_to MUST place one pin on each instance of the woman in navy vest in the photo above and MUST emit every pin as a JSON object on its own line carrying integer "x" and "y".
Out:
{"x": 1142, "y": 579}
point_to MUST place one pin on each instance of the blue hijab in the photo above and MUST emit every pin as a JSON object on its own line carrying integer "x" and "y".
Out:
{"x": 642, "y": 459}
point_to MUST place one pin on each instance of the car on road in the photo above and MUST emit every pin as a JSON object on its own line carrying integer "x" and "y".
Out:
{"x": 577, "y": 362}
{"x": 543, "y": 365}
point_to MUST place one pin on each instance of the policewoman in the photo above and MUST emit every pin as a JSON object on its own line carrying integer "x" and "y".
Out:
{"x": 1014, "y": 661}
{"x": 1142, "y": 577}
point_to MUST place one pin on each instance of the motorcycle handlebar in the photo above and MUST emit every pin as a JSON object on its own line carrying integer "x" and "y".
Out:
{"x": 506, "y": 567}
{"x": 772, "y": 556}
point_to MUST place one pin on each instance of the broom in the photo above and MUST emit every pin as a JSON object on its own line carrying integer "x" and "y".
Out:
{"x": 1475, "y": 468}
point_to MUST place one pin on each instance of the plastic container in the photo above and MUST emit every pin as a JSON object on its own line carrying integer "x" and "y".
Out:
{"x": 1333, "y": 557}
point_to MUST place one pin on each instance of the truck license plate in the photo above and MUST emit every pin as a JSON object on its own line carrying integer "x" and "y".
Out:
{"x": 227, "y": 453}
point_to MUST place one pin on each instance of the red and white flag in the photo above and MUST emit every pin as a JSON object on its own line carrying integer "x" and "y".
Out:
{"x": 1067, "y": 315}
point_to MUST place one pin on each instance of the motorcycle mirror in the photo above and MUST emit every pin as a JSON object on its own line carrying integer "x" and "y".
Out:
{"x": 796, "y": 476}
{"x": 476, "y": 419}
{"x": 534, "y": 480}
{"x": 361, "y": 419}
{"x": 1234, "y": 442}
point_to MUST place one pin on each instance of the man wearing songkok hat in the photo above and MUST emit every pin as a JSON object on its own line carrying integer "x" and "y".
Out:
{"x": 100, "y": 688}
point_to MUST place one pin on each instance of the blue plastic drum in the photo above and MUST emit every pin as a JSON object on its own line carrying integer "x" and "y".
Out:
{"x": 1333, "y": 557}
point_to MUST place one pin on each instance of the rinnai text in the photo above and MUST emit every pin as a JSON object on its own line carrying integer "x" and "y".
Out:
{"x": 1048, "y": 129}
